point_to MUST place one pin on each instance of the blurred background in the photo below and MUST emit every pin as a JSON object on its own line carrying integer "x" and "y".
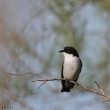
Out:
{"x": 32, "y": 32}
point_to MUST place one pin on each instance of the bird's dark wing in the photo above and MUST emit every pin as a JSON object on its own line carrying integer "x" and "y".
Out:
{"x": 62, "y": 81}
{"x": 64, "y": 88}
{"x": 78, "y": 71}
{"x": 76, "y": 75}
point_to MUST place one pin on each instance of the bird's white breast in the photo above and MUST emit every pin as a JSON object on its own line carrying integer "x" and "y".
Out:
{"x": 71, "y": 65}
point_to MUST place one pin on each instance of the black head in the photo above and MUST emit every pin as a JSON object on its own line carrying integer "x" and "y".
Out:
{"x": 70, "y": 50}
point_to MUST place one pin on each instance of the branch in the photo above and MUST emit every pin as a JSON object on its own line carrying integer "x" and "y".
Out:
{"x": 25, "y": 74}
{"x": 100, "y": 92}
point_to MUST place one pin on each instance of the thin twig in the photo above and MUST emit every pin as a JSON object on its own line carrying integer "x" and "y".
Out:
{"x": 25, "y": 74}
{"x": 22, "y": 74}
{"x": 99, "y": 87}
{"x": 53, "y": 79}
{"x": 41, "y": 85}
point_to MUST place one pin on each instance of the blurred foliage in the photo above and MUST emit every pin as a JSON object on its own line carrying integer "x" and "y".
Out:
{"x": 11, "y": 86}
{"x": 16, "y": 45}
{"x": 105, "y": 4}
{"x": 64, "y": 10}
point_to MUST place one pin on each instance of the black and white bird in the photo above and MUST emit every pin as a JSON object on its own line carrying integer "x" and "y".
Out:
{"x": 71, "y": 68}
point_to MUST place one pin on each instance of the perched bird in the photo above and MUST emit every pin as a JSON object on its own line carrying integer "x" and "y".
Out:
{"x": 71, "y": 68}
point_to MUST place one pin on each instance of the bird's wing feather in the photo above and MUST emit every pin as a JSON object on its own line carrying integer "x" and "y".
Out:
{"x": 62, "y": 81}
{"x": 78, "y": 71}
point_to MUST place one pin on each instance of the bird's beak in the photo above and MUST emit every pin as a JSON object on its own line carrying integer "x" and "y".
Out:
{"x": 61, "y": 50}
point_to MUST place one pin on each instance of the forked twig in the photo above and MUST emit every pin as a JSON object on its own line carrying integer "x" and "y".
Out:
{"x": 101, "y": 91}
{"x": 41, "y": 85}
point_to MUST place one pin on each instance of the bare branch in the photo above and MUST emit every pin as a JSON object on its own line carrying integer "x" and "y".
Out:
{"x": 53, "y": 79}
{"x": 25, "y": 74}
{"x": 100, "y": 93}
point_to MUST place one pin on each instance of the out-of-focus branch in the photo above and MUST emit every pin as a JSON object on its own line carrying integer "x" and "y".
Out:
{"x": 26, "y": 74}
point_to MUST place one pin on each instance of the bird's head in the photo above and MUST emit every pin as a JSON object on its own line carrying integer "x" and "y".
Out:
{"x": 70, "y": 51}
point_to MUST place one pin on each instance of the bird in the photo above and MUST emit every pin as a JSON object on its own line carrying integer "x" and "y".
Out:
{"x": 71, "y": 68}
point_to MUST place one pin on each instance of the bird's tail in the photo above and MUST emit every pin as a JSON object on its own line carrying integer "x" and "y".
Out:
{"x": 67, "y": 89}
{"x": 64, "y": 89}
